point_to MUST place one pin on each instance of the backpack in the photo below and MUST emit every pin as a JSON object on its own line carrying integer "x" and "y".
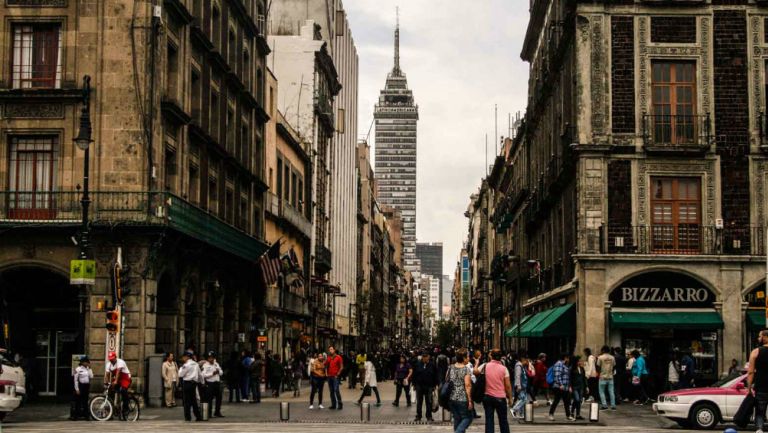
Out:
{"x": 551, "y": 376}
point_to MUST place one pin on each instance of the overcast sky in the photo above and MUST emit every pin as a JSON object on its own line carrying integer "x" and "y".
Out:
{"x": 461, "y": 57}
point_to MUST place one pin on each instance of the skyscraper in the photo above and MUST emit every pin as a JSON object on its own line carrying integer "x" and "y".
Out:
{"x": 430, "y": 256}
{"x": 396, "y": 115}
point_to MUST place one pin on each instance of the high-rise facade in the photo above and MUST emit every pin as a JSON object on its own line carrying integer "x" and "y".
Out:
{"x": 430, "y": 257}
{"x": 396, "y": 116}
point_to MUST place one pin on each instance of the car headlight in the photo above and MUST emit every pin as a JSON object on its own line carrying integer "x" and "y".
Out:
{"x": 671, "y": 399}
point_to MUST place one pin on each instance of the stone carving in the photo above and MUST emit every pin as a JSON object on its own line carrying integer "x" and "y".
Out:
{"x": 648, "y": 168}
{"x": 760, "y": 177}
{"x": 37, "y": 3}
{"x": 705, "y": 79}
{"x": 757, "y": 61}
{"x": 33, "y": 111}
{"x": 598, "y": 87}
{"x": 673, "y": 51}
{"x": 642, "y": 85}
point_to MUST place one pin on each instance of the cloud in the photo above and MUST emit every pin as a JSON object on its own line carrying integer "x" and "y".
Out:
{"x": 459, "y": 61}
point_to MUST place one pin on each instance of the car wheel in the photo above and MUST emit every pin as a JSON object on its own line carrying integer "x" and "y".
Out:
{"x": 704, "y": 416}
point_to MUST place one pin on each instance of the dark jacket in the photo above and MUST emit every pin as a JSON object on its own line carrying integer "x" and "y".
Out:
{"x": 425, "y": 374}
{"x": 578, "y": 380}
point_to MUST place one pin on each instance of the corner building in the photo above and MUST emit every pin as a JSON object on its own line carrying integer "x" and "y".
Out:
{"x": 637, "y": 182}
{"x": 176, "y": 179}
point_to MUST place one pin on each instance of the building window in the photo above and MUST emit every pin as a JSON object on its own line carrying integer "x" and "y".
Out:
{"x": 231, "y": 130}
{"x": 36, "y": 56}
{"x": 245, "y": 146}
{"x": 170, "y": 170}
{"x": 300, "y": 190}
{"x": 197, "y": 95}
{"x": 193, "y": 190}
{"x": 232, "y": 48}
{"x": 213, "y": 196}
{"x": 676, "y": 215}
{"x": 287, "y": 182}
{"x": 229, "y": 203}
{"x": 247, "y": 69}
{"x": 294, "y": 193}
{"x": 340, "y": 23}
{"x": 340, "y": 121}
{"x": 31, "y": 174}
{"x": 216, "y": 26}
{"x": 279, "y": 177}
{"x": 674, "y": 102}
{"x": 172, "y": 72}
{"x": 215, "y": 117}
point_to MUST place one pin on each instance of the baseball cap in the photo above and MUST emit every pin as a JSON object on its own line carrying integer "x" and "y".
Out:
{"x": 112, "y": 356}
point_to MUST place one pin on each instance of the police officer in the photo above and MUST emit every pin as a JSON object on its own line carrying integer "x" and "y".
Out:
{"x": 212, "y": 375}
{"x": 190, "y": 374}
{"x": 82, "y": 378}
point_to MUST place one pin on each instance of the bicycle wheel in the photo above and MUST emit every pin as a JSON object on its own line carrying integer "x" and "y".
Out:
{"x": 101, "y": 408}
{"x": 133, "y": 410}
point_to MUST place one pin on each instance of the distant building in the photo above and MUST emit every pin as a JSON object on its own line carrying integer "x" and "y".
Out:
{"x": 430, "y": 256}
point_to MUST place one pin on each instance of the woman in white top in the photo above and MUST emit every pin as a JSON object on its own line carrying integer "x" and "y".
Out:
{"x": 170, "y": 379}
{"x": 370, "y": 383}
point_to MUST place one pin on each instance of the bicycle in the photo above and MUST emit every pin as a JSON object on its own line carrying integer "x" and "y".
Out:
{"x": 102, "y": 408}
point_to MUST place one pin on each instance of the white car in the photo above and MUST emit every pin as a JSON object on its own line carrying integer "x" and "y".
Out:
{"x": 9, "y": 401}
{"x": 11, "y": 371}
{"x": 704, "y": 408}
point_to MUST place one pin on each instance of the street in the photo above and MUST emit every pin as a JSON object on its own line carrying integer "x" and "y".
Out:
{"x": 265, "y": 418}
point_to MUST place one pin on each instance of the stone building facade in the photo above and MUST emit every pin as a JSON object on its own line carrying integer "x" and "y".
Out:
{"x": 631, "y": 203}
{"x": 176, "y": 173}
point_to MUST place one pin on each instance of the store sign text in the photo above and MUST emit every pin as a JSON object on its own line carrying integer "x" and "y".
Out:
{"x": 664, "y": 294}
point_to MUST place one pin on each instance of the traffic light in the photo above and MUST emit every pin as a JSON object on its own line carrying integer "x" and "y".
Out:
{"x": 113, "y": 321}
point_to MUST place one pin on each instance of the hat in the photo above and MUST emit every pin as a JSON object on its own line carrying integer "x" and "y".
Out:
{"x": 84, "y": 358}
{"x": 112, "y": 356}
{"x": 210, "y": 354}
{"x": 188, "y": 354}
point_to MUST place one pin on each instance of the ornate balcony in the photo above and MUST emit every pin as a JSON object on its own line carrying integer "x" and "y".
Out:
{"x": 681, "y": 239}
{"x": 679, "y": 133}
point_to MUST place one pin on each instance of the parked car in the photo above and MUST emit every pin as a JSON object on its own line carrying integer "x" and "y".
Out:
{"x": 9, "y": 401}
{"x": 11, "y": 371}
{"x": 704, "y": 408}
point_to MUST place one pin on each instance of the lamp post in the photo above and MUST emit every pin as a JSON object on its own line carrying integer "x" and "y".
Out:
{"x": 83, "y": 141}
{"x": 336, "y": 295}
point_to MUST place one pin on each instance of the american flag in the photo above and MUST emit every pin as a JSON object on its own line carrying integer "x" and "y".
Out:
{"x": 269, "y": 264}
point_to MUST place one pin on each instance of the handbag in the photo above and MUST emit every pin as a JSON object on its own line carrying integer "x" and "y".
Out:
{"x": 367, "y": 391}
{"x": 444, "y": 397}
{"x": 435, "y": 405}
{"x": 744, "y": 414}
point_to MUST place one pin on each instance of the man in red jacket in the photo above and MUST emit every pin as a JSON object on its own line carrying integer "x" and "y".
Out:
{"x": 333, "y": 366}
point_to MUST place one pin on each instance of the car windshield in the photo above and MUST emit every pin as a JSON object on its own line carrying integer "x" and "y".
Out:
{"x": 727, "y": 381}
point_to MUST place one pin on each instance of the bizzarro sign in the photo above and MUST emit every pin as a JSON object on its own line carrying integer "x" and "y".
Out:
{"x": 662, "y": 289}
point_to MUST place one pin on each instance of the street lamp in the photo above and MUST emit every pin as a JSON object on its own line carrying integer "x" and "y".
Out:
{"x": 336, "y": 295}
{"x": 83, "y": 142}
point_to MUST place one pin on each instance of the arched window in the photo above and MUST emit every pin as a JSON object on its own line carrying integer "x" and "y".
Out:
{"x": 216, "y": 25}
{"x": 247, "y": 68}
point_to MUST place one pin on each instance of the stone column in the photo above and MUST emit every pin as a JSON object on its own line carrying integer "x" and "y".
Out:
{"x": 590, "y": 309}
{"x": 730, "y": 297}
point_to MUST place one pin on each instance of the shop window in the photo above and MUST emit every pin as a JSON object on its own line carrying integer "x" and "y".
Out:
{"x": 31, "y": 176}
{"x": 674, "y": 102}
{"x": 676, "y": 215}
{"x": 36, "y": 61}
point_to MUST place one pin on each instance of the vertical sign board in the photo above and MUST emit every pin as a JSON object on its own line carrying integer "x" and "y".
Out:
{"x": 82, "y": 272}
{"x": 113, "y": 337}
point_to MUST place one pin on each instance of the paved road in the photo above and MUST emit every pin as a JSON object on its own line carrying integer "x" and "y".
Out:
{"x": 264, "y": 417}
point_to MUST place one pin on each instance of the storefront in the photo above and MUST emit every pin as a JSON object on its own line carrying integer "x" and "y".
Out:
{"x": 551, "y": 331}
{"x": 661, "y": 312}
{"x": 755, "y": 315}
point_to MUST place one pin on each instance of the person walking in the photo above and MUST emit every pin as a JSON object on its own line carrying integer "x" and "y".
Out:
{"x": 639, "y": 378}
{"x": 360, "y": 361}
{"x": 578, "y": 386}
{"x": 190, "y": 374}
{"x": 333, "y": 366}
{"x": 757, "y": 378}
{"x": 403, "y": 373}
{"x": 297, "y": 370}
{"x": 232, "y": 374}
{"x": 540, "y": 380}
{"x": 212, "y": 373}
{"x": 590, "y": 369}
{"x": 424, "y": 380}
{"x": 82, "y": 379}
{"x": 687, "y": 371}
{"x": 276, "y": 375}
{"x": 370, "y": 384}
{"x": 245, "y": 375}
{"x": 520, "y": 384}
{"x": 498, "y": 391}
{"x": 170, "y": 373}
{"x": 606, "y": 363}
{"x": 620, "y": 376}
{"x": 317, "y": 380}
{"x": 561, "y": 386}
{"x": 353, "y": 370}
{"x": 673, "y": 372}
{"x": 256, "y": 376}
{"x": 460, "y": 402}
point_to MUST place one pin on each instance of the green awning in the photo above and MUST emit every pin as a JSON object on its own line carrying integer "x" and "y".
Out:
{"x": 557, "y": 322}
{"x": 756, "y": 319}
{"x": 512, "y": 331}
{"x": 671, "y": 319}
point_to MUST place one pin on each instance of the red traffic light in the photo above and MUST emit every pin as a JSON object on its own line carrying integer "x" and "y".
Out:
{"x": 113, "y": 321}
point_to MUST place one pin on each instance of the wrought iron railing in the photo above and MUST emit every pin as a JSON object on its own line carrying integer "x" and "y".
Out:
{"x": 678, "y": 131}
{"x": 683, "y": 239}
{"x": 20, "y": 208}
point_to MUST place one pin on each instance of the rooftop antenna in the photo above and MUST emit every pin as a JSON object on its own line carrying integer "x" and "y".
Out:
{"x": 496, "y": 128}
{"x": 397, "y": 42}
{"x": 486, "y": 155}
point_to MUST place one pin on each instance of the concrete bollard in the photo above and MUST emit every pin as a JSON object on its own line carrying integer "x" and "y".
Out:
{"x": 285, "y": 411}
{"x": 529, "y": 412}
{"x": 204, "y": 410}
{"x": 594, "y": 412}
{"x": 365, "y": 412}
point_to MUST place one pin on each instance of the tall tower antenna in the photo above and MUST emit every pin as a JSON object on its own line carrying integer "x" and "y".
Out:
{"x": 397, "y": 42}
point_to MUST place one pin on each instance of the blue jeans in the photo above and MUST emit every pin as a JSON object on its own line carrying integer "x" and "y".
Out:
{"x": 607, "y": 384}
{"x": 245, "y": 387}
{"x": 498, "y": 405}
{"x": 462, "y": 417}
{"x": 522, "y": 398}
{"x": 576, "y": 399}
{"x": 317, "y": 384}
{"x": 333, "y": 389}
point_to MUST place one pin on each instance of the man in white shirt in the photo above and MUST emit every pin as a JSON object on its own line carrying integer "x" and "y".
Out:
{"x": 190, "y": 374}
{"x": 212, "y": 373}
{"x": 82, "y": 377}
{"x": 118, "y": 376}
